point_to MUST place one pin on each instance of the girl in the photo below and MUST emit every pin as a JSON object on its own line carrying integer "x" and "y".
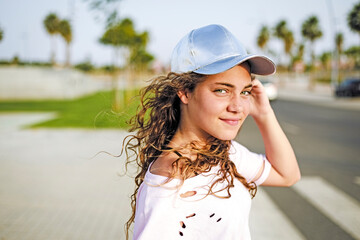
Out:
{"x": 195, "y": 182}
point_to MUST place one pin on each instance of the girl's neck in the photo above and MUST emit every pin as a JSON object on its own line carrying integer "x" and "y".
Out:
{"x": 182, "y": 141}
{"x": 187, "y": 133}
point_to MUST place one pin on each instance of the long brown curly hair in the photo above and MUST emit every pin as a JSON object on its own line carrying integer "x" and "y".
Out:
{"x": 154, "y": 126}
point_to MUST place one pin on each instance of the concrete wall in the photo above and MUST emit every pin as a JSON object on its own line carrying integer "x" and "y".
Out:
{"x": 52, "y": 83}
{"x": 46, "y": 83}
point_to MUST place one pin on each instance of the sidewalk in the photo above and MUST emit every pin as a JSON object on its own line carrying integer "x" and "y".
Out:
{"x": 52, "y": 186}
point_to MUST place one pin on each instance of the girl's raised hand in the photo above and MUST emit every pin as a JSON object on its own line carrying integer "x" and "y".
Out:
{"x": 259, "y": 102}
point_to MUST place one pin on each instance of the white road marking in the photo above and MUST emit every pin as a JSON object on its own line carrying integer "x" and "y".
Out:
{"x": 334, "y": 203}
{"x": 357, "y": 180}
{"x": 263, "y": 212}
{"x": 14, "y": 121}
{"x": 290, "y": 128}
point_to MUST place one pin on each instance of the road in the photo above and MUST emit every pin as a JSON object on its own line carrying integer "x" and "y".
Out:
{"x": 326, "y": 141}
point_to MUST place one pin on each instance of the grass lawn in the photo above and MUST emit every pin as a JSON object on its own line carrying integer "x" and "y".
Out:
{"x": 92, "y": 111}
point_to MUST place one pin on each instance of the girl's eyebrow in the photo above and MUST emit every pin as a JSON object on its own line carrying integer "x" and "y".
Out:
{"x": 225, "y": 84}
{"x": 232, "y": 86}
{"x": 249, "y": 85}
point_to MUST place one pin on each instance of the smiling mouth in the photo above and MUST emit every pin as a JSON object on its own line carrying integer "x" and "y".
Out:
{"x": 232, "y": 122}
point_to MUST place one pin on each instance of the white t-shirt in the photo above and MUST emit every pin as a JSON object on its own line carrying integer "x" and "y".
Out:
{"x": 162, "y": 214}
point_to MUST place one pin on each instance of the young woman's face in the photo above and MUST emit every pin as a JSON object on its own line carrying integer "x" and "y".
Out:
{"x": 219, "y": 105}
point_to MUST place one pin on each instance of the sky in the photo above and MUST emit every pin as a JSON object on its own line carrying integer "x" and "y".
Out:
{"x": 167, "y": 21}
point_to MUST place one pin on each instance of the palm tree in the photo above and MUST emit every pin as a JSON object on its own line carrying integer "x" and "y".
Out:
{"x": 51, "y": 23}
{"x": 289, "y": 42}
{"x": 263, "y": 38}
{"x": 325, "y": 59}
{"x": 66, "y": 33}
{"x": 282, "y": 32}
{"x": 1, "y": 34}
{"x": 339, "y": 39}
{"x": 353, "y": 53}
{"x": 310, "y": 30}
{"x": 297, "y": 60}
{"x": 301, "y": 51}
{"x": 353, "y": 18}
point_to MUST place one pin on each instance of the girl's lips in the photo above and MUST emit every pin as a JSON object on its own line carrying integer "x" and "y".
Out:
{"x": 232, "y": 122}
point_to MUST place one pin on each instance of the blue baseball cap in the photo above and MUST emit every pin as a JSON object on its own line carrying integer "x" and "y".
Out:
{"x": 213, "y": 49}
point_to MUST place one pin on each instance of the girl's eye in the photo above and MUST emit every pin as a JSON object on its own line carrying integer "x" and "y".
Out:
{"x": 246, "y": 93}
{"x": 221, "y": 91}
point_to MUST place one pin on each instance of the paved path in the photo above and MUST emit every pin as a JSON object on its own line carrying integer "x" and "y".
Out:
{"x": 51, "y": 187}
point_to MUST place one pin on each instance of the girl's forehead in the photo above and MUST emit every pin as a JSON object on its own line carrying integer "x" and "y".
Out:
{"x": 237, "y": 75}
{"x": 235, "y": 84}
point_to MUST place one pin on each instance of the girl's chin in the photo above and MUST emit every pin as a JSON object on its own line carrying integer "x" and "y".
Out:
{"x": 228, "y": 137}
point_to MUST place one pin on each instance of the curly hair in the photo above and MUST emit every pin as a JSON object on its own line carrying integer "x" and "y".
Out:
{"x": 154, "y": 126}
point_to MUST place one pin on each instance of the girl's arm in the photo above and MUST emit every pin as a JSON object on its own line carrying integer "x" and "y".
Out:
{"x": 285, "y": 170}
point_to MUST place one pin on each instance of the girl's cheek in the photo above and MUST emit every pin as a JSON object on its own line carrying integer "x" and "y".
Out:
{"x": 247, "y": 106}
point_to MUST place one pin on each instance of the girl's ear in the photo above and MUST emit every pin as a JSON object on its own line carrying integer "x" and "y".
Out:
{"x": 183, "y": 95}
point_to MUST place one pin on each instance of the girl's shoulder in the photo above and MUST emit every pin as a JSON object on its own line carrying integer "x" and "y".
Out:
{"x": 237, "y": 148}
{"x": 163, "y": 165}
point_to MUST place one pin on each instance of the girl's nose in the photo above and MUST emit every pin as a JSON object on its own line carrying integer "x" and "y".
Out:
{"x": 236, "y": 104}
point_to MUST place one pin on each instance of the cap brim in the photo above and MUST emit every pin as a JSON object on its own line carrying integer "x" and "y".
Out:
{"x": 259, "y": 65}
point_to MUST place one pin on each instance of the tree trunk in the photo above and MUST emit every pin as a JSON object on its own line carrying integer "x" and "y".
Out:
{"x": 118, "y": 101}
{"x": 67, "y": 55}
{"x": 312, "y": 54}
{"x": 311, "y": 85}
{"x": 53, "y": 50}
